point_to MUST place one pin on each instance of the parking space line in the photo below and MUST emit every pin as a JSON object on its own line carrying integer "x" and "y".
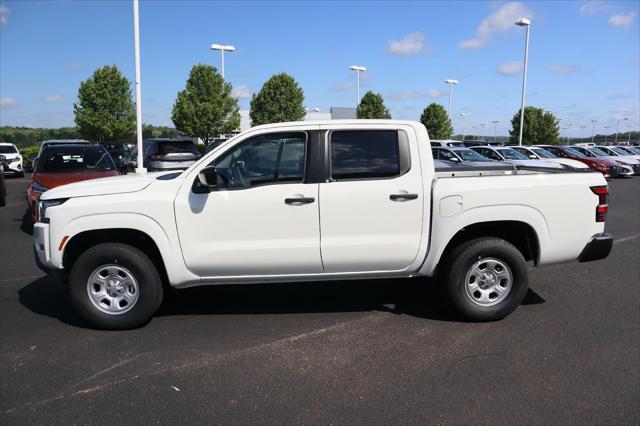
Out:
{"x": 30, "y": 277}
{"x": 626, "y": 239}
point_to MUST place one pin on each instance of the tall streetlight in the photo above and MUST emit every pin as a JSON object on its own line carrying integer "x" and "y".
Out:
{"x": 464, "y": 116}
{"x": 358, "y": 69}
{"x": 593, "y": 131}
{"x": 618, "y": 127}
{"x": 222, "y": 48}
{"x": 136, "y": 49}
{"x": 582, "y": 127}
{"x": 495, "y": 130}
{"x": 524, "y": 22}
{"x": 605, "y": 133}
{"x": 450, "y": 83}
{"x": 310, "y": 110}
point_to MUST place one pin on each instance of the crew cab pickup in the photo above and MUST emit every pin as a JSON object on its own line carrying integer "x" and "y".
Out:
{"x": 313, "y": 201}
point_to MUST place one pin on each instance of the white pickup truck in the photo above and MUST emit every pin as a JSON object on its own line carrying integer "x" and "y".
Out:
{"x": 312, "y": 201}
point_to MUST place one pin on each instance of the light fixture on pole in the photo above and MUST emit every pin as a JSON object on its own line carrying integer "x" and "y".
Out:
{"x": 605, "y": 133}
{"x": 593, "y": 131}
{"x": 524, "y": 22}
{"x": 310, "y": 110}
{"x": 358, "y": 69}
{"x": 450, "y": 83}
{"x": 618, "y": 127}
{"x": 222, "y": 48}
{"x": 495, "y": 129}
{"x": 464, "y": 116}
{"x": 136, "y": 50}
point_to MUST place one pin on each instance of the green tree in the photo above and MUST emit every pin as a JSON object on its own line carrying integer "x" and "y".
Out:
{"x": 372, "y": 106}
{"x": 437, "y": 121}
{"x": 205, "y": 108}
{"x": 279, "y": 100}
{"x": 540, "y": 127}
{"x": 105, "y": 110}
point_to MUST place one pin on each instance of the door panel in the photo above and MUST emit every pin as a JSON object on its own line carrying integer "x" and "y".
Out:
{"x": 372, "y": 224}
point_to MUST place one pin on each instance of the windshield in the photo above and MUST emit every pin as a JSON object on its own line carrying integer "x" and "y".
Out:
{"x": 511, "y": 154}
{"x": 169, "y": 147}
{"x": 619, "y": 151}
{"x": 598, "y": 152}
{"x": 8, "y": 149}
{"x": 70, "y": 159}
{"x": 470, "y": 155}
{"x": 543, "y": 153}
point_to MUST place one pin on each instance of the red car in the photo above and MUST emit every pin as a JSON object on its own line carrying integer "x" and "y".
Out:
{"x": 607, "y": 167}
{"x": 62, "y": 164}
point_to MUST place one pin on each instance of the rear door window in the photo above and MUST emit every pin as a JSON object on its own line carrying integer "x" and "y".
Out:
{"x": 364, "y": 154}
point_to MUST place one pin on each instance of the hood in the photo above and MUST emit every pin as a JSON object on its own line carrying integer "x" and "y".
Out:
{"x": 92, "y": 186}
{"x": 536, "y": 163}
{"x": 569, "y": 162}
{"x": 10, "y": 156}
{"x": 621, "y": 159}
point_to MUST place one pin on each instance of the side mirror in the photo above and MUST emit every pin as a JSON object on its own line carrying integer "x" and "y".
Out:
{"x": 533, "y": 157}
{"x": 206, "y": 180}
{"x": 455, "y": 159}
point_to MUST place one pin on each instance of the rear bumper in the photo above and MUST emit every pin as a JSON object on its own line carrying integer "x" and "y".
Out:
{"x": 598, "y": 248}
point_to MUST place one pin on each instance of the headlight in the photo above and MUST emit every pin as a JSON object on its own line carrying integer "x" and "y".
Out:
{"x": 44, "y": 205}
{"x": 37, "y": 188}
{"x": 14, "y": 160}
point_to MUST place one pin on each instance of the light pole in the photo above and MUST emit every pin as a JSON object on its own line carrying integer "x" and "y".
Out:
{"x": 593, "y": 131}
{"x": 310, "y": 110}
{"x": 582, "y": 137}
{"x": 524, "y": 22}
{"x": 136, "y": 48}
{"x": 464, "y": 116}
{"x": 222, "y": 48}
{"x": 605, "y": 133}
{"x": 495, "y": 130}
{"x": 358, "y": 69}
{"x": 618, "y": 127}
{"x": 629, "y": 136}
{"x": 450, "y": 83}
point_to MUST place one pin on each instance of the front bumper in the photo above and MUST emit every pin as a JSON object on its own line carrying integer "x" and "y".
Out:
{"x": 598, "y": 248}
{"x": 43, "y": 255}
{"x": 12, "y": 168}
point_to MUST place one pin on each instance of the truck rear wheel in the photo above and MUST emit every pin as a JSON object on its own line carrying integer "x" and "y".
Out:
{"x": 115, "y": 286}
{"x": 486, "y": 279}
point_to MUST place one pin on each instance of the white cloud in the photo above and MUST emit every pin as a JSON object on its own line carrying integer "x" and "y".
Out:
{"x": 501, "y": 20}
{"x": 404, "y": 95}
{"x": 411, "y": 44}
{"x": 620, "y": 96}
{"x": 241, "y": 92}
{"x": 435, "y": 93}
{"x": 54, "y": 98}
{"x": 622, "y": 20}
{"x": 75, "y": 65}
{"x": 4, "y": 14}
{"x": 561, "y": 69}
{"x": 593, "y": 7}
{"x": 8, "y": 103}
{"x": 341, "y": 86}
{"x": 510, "y": 68}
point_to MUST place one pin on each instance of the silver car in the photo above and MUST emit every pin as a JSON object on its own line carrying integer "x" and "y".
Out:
{"x": 166, "y": 154}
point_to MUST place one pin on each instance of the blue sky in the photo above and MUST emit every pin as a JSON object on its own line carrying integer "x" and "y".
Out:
{"x": 584, "y": 61}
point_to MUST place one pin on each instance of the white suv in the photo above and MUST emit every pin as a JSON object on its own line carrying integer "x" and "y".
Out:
{"x": 12, "y": 159}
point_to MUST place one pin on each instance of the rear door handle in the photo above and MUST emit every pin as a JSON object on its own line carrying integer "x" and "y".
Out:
{"x": 403, "y": 197}
{"x": 298, "y": 201}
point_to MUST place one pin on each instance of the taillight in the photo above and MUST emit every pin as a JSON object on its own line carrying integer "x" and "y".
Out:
{"x": 603, "y": 202}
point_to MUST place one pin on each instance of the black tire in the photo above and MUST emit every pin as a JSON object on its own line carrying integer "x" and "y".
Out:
{"x": 150, "y": 288}
{"x": 461, "y": 260}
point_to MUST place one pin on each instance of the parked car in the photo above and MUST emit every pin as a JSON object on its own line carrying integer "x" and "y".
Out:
{"x": 49, "y": 142}
{"x": 537, "y": 153}
{"x": 628, "y": 167}
{"x": 462, "y": 156}
{"x": 606, "y": 167}
{"x": 166, "y": 154}
{"x": 470, "y": 144}
{"x": 617, "y": 151}
{"x": 67, "y": 163}
{"x": 3, "y": 186}
{"x": 445, "y": 142}
{"x": 120, "y": 154}
{"x": 12, "y": 159}
{"x": 505, "y": 153}
{"x": 632, "y": 150}
{"x": 314, "y": 201}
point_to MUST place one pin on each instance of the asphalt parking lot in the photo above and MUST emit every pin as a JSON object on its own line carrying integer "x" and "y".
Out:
{"x": 370, "y": 352}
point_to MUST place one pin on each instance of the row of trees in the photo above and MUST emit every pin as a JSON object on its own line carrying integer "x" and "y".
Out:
{"x": 206, "y": 108}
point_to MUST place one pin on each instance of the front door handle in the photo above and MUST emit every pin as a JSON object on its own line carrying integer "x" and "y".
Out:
{"x": 298, "y": 201}
{"x": 403, "y": 197}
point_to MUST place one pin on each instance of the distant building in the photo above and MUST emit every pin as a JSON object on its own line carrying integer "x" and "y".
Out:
{"x": 336, "y": 113}
{"x": 341, "y": 113}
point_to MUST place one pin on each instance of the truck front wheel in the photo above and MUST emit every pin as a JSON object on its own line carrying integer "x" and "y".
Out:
{"x": 486, "y": 279}
{"x": 115, "y": 286}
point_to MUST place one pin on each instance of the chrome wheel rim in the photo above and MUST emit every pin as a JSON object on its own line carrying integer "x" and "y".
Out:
{"x": 112, "y": 289}
{"x": 488, "y": 282}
